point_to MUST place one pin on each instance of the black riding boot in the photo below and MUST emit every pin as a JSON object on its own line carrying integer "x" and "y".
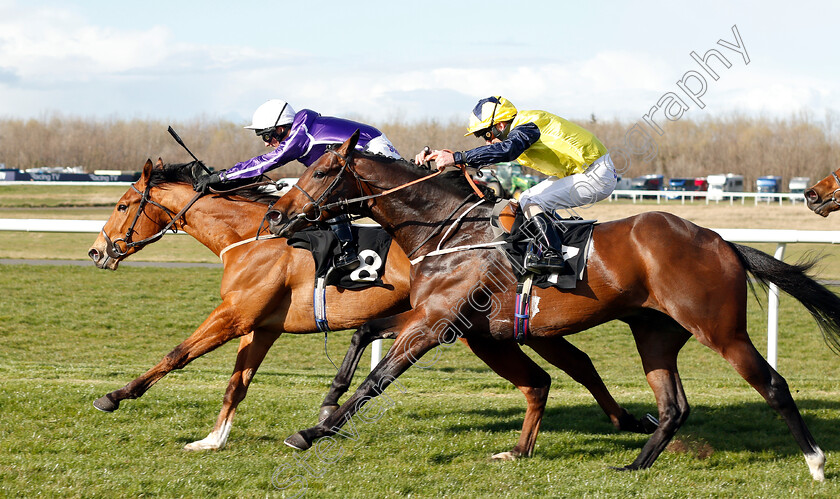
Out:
{"x": 349, "y": 258}
{"x": 543, "y": 256}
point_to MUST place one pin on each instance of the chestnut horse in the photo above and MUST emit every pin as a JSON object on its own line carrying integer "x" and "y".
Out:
{"x": 267, "y": 289}
{"x": 824, "y": 196}
{"x": 630, "y": 277}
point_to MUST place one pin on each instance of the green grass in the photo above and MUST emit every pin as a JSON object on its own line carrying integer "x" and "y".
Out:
{"x": 70, "y": 246}
{"x": 70, "y": 334}
{"x": 28, "y": 196}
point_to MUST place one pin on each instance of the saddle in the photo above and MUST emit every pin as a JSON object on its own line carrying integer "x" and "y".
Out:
{"x": 507, "y": 221}
{"x": 373, "y": 242}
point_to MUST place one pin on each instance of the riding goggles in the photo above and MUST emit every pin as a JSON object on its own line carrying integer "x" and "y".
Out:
{"x": 486, "y": 134}
{"x": 267, "y": 134}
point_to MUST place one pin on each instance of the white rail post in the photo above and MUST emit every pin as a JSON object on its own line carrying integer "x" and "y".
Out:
{"x": 375, "y": 353}
{"x": 773, "y": 314}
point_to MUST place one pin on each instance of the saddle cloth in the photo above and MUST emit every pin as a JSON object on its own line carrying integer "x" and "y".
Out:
{"x": 373, "y": 246}
{"x": 577, "y": 239}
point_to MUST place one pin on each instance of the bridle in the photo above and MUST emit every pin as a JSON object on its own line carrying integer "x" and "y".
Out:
{"x": 112, "y": 248}
{"x": 316, "y": 203}
{"x": 834, "y": 194}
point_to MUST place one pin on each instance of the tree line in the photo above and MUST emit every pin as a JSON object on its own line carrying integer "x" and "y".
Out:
{"x": 798, "y": 145}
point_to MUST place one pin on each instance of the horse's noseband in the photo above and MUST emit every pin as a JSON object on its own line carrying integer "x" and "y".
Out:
{"x": 112, "y": 248}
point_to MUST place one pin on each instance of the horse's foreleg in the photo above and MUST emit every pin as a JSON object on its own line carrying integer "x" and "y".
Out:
{"x": 253, "y": 348}
{"x": 579, "y": 367}
{"x": 658, "y": 343}
{"x": 220, "y": 327}
{"x": 407, "y": 349}
{"x": 511, "y": 363}
{"x": 360, "y": 340}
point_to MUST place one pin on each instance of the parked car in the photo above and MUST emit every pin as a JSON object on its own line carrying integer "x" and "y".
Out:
{"x": 652, "y": 182}
{"x": 685, "y": 184}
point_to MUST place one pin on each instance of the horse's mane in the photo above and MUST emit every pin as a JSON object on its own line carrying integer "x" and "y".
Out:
{"x": 182, "y": 173}
{"x": 453, "y": 181}
{"x": 448, "y": 181}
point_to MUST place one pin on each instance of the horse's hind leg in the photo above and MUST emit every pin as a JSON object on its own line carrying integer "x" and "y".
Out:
{"x": 658, "y": 341}
{"x": 253, "y": 348}
{"x": 511, "y": 363}
{"x": 742, "y": 355}
{"x": 579, "y": 367}
{"x": 360, "y": 340}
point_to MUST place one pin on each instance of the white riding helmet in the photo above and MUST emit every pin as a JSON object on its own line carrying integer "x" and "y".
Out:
{"x": 274, "y": 112}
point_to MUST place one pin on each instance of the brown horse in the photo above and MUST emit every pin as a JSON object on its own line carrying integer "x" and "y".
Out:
{"x": 267, "y": 289}
{"x": 824, "y": 196}
{"x": 630, "y": 277}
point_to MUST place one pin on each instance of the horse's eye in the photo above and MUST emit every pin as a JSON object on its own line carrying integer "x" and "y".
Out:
{"x": 122, "y": 207}
{"x": 319, "y": 174}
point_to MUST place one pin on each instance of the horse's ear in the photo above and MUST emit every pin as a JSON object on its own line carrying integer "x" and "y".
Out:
{"x": 147, "y": 168}
{"x": 349, "y": 144}
{"x": 159, "y": 163}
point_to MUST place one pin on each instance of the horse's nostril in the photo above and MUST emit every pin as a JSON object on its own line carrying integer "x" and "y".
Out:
{"x": 275, "y": 216}
{"x": 94, "y": 254}
{"x": 811, "y": 196}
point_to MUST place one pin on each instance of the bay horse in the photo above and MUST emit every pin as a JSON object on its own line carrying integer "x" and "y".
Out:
{"x": 267, "y": 289}
{"x": 630, "y": 277}
{"x": 824, "y": 196}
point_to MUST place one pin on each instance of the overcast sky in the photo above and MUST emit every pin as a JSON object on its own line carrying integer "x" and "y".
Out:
{"x": 384, "y": 60}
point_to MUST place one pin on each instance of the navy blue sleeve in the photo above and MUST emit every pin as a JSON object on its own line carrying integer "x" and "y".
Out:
{"x": 519, "y": 139}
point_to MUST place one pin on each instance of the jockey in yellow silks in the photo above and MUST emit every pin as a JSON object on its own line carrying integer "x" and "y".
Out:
{"x": 579, "y": 166}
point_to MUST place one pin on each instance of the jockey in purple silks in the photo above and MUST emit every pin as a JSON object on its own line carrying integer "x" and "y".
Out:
{"x": 303, "y": 136}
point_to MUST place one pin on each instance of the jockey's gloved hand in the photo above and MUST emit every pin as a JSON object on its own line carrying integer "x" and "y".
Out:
{"x": 206, "y": 181}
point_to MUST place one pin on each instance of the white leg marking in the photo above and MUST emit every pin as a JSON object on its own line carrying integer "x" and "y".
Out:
{"x": 505, "y": 456}
{"x": 816, "y": 463}
{"x": 216, "y": 440}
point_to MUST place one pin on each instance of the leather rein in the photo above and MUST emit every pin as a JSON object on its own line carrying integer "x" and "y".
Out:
{"x": 346, "y": 165}
{"x": 347, "y": 161}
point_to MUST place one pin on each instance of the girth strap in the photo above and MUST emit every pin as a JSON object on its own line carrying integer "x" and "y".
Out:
{"x": 522, "y": 309}
{"x": 319, "y": 304}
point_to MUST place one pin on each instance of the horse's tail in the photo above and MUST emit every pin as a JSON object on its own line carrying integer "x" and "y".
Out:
{"x": 793, "y": 280}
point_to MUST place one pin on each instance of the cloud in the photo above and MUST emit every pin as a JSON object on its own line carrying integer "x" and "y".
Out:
{"x": 55, "y": 45}
{"x": 9, "y": 77}
{"x": 52, "y": 59}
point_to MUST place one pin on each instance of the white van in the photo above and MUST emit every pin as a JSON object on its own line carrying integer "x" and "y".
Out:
{"x": 797, "y": 185}
{"x": 720, "y": 183}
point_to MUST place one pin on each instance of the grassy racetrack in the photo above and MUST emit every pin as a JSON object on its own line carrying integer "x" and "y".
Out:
{"x": 71, "y": 334}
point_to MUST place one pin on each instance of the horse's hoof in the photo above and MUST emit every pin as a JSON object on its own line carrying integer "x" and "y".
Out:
{"x": 505, "y": 456}
{"x": 106, "y": 404}
{"x": 298, "y": 441}
{"x": 201, "y": 445}
{"x": 326, "y": 411}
